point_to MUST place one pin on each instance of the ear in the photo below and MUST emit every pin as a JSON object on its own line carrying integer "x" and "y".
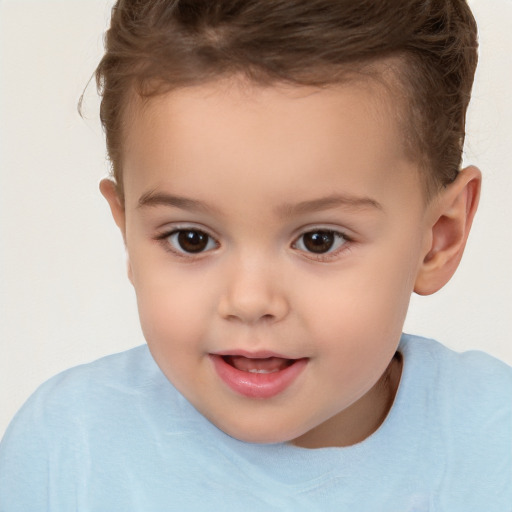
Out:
{"x": 452, "y": 214}
{"x": 109, "y": 190}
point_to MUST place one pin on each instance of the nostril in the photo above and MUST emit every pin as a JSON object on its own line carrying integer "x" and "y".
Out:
{"x": 251, "y": 305}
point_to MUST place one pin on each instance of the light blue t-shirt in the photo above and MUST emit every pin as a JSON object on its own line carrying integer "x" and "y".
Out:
{"x": 115, "y": 435}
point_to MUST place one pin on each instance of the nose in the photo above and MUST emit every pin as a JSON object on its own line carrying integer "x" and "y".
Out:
{"x": 253, "y": 293}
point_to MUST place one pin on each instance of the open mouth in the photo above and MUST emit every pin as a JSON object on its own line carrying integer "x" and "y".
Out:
{"x": 258, "y": 377}
{"x": 262, "y": 365}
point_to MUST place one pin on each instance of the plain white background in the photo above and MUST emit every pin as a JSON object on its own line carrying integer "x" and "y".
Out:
{"x": 64, "y": 297}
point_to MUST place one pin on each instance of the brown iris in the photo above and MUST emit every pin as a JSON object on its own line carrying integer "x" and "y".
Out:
{"x": 192, "y": 240}
{"x": 318, "y": 241}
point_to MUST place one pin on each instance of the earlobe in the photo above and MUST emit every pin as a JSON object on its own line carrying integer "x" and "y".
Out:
{"x": 452, "y": 216}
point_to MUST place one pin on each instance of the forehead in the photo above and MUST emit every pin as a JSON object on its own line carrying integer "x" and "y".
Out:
{"x": 378, "y": 84}
{"x": 230, "y": 128}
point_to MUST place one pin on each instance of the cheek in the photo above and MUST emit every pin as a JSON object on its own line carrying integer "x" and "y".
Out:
{"x": 364, "y": 305}
{"x": 357, "y": 327}
{"x": 173, "y": 304}
{"x": 174, "y": 329}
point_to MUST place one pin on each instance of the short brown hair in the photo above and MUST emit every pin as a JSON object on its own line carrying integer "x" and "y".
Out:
{"x": 153, "y": 46}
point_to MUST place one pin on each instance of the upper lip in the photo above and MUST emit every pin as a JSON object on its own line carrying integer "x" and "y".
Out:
{"x": 258, "y": 354}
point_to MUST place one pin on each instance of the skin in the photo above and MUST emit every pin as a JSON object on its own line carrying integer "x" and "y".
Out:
{"x": 263, "y": 166}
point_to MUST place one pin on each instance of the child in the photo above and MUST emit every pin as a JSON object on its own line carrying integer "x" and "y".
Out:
{"x": 285, "y": 175}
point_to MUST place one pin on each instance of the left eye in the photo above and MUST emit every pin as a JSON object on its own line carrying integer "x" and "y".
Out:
{"x": 191, "y": 241}
{"x": 320, "y": 241}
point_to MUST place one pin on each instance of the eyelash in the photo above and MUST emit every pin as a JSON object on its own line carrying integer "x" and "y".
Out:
{"x": 166, "y": 243}
{"x": 322, "y": 257}
{"x": 340, "y": 237}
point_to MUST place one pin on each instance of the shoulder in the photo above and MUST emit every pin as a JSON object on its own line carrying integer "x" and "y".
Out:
{"x": 111, "y": 367}
{"x": 96, "y": 414}
{"x": 470, "y": 385}
{"x": 465, "y": 404}
{"x": 472, "y": 374}
{"x": 87, "y": 393}
{"x": 113, "y": 374}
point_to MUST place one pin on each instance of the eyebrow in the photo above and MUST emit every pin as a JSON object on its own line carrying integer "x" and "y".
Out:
{"x": 153, "y": 198}
{"x": 325, "y": 203}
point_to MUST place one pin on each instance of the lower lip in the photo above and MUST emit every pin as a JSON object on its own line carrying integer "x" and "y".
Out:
{"x": 257, "y": 385}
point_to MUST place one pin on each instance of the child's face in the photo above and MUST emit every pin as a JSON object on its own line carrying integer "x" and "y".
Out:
{"x": 278, "y": 230}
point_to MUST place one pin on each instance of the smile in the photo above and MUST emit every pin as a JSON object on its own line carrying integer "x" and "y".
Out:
{"x": 258, "y": 364}
{"x": 257, "y": 377}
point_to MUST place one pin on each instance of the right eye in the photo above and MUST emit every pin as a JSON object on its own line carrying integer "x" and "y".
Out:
{"x": 189, "y": 241}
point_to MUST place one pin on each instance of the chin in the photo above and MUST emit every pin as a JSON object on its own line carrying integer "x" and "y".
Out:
{"x": 260, "y": 438}
{"x": 259, "y": 434}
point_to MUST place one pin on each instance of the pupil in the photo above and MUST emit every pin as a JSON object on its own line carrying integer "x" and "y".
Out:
{"x": 192, "y": 241}
{"x": 319, "y": 241}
